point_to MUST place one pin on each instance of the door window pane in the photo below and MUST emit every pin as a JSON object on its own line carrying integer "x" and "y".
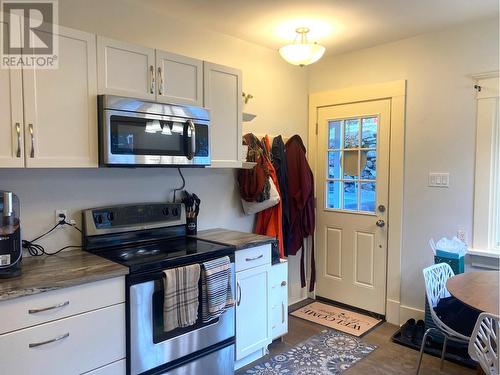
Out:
{"x": 351, "y": 133}
{"x": 334, "y": 134}
{"x": 369, "y": 165}
{"x": 333, "y": 194}
{"x": 367, "y": 197}
{"x": 369, "y": 132}
{"x": 334, "y": 164}
{"x": 350, "y": 196}
{"x": 351, "y": 169}
{"x": 351, "y": 165}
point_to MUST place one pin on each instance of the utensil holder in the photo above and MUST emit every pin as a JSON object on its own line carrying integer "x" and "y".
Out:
{"x": 191, "y": 226}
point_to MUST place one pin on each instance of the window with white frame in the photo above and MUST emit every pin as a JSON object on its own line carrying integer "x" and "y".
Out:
{"x": 487, "y": 174}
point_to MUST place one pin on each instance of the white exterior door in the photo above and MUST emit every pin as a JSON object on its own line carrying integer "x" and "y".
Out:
{"x": 126, "y": 69}
{"x": 11, "y": 117}
{"x": 352, "y": 193}
{"x": 222, "y": 96}
{"x": 179, "y": 79}
{"x": 252, "y": 313}
{"x": 60, "y": 106}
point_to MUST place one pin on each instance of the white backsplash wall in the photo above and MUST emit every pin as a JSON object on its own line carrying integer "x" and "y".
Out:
{"x": 42, "y": 191}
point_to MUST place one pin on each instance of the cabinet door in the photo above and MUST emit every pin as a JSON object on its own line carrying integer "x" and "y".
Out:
{"x": 60, "y": 106}
{"x": 11, "y": 117}
{"x": 125, "y": 69}
{"x": 222, "y": 95}
{"x": 179, "y": 79}
{"x": 252, "y": 312}
{"x": 279, "y": 299}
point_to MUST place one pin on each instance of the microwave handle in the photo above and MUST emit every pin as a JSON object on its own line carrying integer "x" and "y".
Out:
{"x": 192, "y": 149}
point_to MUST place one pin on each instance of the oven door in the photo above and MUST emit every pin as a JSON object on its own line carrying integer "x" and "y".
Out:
{"x": 143, "y": 139}
{"x": 149, "y": 346}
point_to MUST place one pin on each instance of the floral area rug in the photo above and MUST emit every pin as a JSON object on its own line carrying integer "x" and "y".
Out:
{"x": 327, "y": 353}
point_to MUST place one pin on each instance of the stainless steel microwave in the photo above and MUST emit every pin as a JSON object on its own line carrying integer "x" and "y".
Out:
{"x": 137, "y": 133}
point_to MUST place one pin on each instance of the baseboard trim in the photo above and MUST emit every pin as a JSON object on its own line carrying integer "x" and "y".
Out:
{"x": 407, "y": 312}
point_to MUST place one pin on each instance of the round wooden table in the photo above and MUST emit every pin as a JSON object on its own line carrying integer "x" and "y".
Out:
{"x": 478, "y": 290}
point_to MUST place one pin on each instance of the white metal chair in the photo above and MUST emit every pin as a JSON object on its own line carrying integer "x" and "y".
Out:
{"x": 435, "y": 288}
{"x": 483, "y": 346}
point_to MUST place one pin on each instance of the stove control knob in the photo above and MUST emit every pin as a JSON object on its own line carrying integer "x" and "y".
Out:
{"x": 165, "y": 211}
{"x": 175, "y": 211}
{"x": 111, "y": 216}
{"x": 98, "y": 218}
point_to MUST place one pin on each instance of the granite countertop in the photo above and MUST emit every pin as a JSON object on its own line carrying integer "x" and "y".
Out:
{"x": 240, "y": 240}
{"x": 66, "y": 269}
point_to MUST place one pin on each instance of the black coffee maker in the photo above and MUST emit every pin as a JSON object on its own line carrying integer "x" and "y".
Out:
{"x": 10, "y": 236}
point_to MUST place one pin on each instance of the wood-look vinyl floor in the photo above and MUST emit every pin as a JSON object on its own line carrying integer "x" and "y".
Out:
{"x": 388, "y": 359}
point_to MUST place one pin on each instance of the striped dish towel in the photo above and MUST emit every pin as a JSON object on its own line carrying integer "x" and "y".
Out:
{"x": 180, "y": 308}
{"x": 216, "y": 289}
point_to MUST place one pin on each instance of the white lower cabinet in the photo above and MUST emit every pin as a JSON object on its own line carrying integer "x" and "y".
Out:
{"x": 253, "y": 333}
{"x": 89, "y": 338}
{"x": 115, "y": 368}
{"x": 279, "y": 299}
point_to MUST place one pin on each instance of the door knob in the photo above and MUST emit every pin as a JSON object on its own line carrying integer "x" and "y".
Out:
{"x": 380, "y": 223}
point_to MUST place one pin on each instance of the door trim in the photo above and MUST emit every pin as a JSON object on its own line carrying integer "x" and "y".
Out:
{"x": 396, "y": 92}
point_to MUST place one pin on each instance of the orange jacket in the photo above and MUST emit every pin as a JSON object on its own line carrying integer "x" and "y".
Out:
{"x": 269, "y": 221}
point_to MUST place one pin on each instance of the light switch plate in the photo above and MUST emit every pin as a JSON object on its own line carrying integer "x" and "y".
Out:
{"x": 439, "y": 179}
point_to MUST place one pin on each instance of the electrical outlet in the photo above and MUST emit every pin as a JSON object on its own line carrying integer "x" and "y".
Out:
{"x": 58, "y": 217}
{"x": 462, "y": 235}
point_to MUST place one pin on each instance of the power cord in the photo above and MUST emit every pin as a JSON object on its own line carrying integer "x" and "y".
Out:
{"x": 37, "y": 250}
{"x": 183, "y": 183}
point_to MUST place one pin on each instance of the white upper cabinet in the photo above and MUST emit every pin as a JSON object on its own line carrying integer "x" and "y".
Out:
{"x": 126, "y": 69}
{"x": 60, "y": 105}
{"x": 11, "y": 117}
{"x": 179, "y": 79}
{"x": 222, "y": 96}
{"x": 130, "y": 70}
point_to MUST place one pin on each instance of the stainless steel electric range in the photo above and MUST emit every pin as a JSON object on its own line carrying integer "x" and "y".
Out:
{"x": 149, "y": 238}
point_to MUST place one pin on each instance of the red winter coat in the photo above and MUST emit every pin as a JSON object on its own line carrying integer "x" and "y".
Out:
{"x": 301, "y": 201}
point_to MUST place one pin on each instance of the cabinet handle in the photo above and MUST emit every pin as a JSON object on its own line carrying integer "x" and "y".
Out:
{"x": 58, "y": 338}
{"x": 282, "y": 313}
{"x": 160, "y": 81}
{"x": 152, "y": 77}
{"x": 18, "y": 132}
{"x": 58, "y": 306}
{"x": 32, "y": 152}
{"x": 239, "y": 293}
{"x": 254, "y": 258}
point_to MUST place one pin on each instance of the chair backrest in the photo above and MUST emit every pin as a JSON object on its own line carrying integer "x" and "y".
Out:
{"x": 483, "y": 346}
{"x": 435, "y": 282}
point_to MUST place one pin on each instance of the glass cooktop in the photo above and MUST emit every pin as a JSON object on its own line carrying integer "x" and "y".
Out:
{"x": 164, "y": 254}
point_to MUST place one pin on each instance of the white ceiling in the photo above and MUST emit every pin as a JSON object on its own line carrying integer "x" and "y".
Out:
{"x": 340, "y": 25}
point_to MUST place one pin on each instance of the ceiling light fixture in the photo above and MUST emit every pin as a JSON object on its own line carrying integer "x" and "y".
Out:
{"x": 302, "y": 53}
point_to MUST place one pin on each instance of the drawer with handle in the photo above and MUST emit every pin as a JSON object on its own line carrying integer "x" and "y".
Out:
{"x": 44, "y": 307}
{"x": 252, "y": 257}
{"x": 71, "y": 345}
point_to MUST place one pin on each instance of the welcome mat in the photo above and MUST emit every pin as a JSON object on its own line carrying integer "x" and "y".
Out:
{"x": 337, "y": 318}
{"x": 327, "y": 353}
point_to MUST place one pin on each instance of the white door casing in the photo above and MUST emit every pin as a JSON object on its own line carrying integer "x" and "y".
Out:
{"x": 396, "y": 313}
{"x": 352, "y": 198}
{"x": 60, "y": 106}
